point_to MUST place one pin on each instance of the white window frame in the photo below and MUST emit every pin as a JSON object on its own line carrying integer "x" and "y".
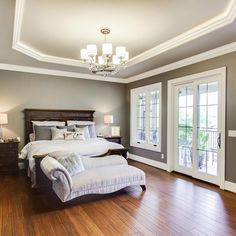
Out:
{"x": 133, "y": 120}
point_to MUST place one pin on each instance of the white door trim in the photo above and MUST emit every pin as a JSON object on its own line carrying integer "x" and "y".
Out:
{"x": 221, "y": 73}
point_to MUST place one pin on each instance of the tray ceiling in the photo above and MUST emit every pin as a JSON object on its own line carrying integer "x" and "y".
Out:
{"x": 55, "y": 30}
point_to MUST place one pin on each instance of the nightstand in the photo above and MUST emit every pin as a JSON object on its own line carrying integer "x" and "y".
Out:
{"x": 114, "y": 139}
{"x": 9, "y": 158}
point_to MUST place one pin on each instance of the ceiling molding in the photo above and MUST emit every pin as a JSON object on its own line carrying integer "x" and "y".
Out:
{"x": 43, "y": 71}
{"x": 215, "y": 23}
{"x": 220, "y": 51}
{"x": 225, "y": 18}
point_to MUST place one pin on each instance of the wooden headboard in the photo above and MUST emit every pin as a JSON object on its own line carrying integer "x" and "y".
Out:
{"x": 53, "y": 115}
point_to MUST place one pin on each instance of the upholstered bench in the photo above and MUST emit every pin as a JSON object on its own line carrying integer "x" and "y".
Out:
{"x": 100, "y": 175}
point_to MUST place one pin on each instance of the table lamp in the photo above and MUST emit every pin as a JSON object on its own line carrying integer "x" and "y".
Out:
{"x": 3, "y": 121}
{"x": 108, "y": 119}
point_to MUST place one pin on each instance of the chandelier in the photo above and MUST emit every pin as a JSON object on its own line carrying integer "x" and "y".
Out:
{"x": 107, "y": 63}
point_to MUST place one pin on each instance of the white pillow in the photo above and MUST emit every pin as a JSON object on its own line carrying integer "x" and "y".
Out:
{"x": 84, "y": 129}
{"x": 74, "y": 136}
{"x": 58, "y": 134}
{"x": 80, "y": 122}
{"x": 49, "y": 123}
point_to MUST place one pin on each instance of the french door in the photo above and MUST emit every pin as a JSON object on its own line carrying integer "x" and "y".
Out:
{"x": 198, "y": 129}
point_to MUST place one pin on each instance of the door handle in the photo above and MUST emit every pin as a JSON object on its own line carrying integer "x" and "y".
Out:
{"x": 219, "y": 140}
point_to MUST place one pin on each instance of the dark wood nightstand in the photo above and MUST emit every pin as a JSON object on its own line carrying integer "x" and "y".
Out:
{"x": 9, "y": 158}
{"x": 115, "y": 139}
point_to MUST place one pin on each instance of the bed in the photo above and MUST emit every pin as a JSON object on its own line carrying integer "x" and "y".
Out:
{"x": 35, "y": 151}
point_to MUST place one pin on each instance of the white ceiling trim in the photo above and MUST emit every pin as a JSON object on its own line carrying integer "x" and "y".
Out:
{"x": 225, "y": 18}
{"x": 31, "y": 52}
{"x": 228, "y": 48}
{"x": 43, "y": 71}
{"x": 217, "y": 22}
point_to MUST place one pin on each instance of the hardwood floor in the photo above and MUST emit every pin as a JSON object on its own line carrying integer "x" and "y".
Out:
{"x": 172, "y": 205}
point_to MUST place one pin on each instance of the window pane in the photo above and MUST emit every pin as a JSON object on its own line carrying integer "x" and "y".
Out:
{"x": 141, "y": 115}
{"x": 207, "y": 128}
{"x": 213, "y": 93}
{"x": 185, "y": 129}
{"x": 154, "y": 117}
{"x": 202, "y": 90}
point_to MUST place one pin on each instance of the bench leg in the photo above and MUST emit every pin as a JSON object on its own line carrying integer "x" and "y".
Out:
{"x": 143, "y": 187}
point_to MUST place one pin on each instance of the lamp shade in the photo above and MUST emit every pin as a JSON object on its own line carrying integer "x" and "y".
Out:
{"x": 91, "y": 50}
{"x": 3, "y": 119}
{"x": 108, "y": 119}
{"x": 107, "y": 48}
{"x": 83, "y": 54}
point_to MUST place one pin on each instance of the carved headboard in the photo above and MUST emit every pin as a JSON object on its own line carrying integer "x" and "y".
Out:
{"x": 51, "y": 115}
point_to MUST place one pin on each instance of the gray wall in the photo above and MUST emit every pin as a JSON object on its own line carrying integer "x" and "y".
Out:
{"x": 229, "y": 61}
{"x": 24, "y": 90}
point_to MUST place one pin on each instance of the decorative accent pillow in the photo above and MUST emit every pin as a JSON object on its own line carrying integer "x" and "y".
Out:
{"x": 83, "y": 129}
{"x": 70, "y": 128}
{"x": 58, "y": 134}
{"x": 70, "y": 160}
{"x": 74, "y": 135}
{"x": 43, "y": 132}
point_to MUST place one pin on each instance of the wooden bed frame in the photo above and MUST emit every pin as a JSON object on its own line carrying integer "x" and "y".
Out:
{"x": 57, "y": 115}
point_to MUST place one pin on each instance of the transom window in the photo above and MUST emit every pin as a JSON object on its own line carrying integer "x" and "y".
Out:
{"x": 146, "y": 117}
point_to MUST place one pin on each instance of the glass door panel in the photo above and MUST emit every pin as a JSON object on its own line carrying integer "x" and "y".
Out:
{"x": 197, "y": 129}
{"x": 207, "y": 127}
{"x": 185, "y": 126}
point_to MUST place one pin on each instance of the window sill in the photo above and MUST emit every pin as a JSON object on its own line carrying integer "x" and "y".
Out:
{"x": 146, "y": 146}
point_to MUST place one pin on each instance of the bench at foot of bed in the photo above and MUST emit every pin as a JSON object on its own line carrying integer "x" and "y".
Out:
{"x": 107, "y": 175}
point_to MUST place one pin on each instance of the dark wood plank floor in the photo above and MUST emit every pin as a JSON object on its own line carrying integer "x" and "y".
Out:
{"x": 172, "y": 205}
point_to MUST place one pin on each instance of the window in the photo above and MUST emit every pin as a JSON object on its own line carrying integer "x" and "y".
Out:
{"x": 146, "y": 117}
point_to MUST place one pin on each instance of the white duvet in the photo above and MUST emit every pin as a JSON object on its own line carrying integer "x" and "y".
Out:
{"x": 89, "y": 147}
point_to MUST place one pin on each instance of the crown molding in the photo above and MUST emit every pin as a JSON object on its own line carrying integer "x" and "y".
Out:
{"x": 221, "y": 20}
{"x": 43, "y": 71}
{"x": 220, "y": 51}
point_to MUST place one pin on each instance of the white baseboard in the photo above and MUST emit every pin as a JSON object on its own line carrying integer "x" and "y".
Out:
{"x": 147, "y": 161}
{"x": 230, "y": 186}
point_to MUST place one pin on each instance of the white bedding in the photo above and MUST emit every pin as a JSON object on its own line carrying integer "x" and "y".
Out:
{"x": 89, "y": 147}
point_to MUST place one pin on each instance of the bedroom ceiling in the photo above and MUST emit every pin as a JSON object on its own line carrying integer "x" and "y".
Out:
{"x": 61, "y": 28}
{"x": 54, "y": 31}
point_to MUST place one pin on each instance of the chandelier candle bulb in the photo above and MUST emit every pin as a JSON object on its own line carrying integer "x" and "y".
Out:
{"x": 92, "y": 50}
{"x": 107, "y": 49}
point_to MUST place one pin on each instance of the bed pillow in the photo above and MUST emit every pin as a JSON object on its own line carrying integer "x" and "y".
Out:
{"x": 43, "y": 132}
{"x": 83, "y": 129}
{"x": 70, "y": 128}
{"x": 70, "y": 160}
{"x": 92, "y": 131}
{"x": 48, "y": 123}
{"x": 74, "y": 136}
{"x": 79, "y": 122}
{"x": 58, "y": 134}
{"x": 31, "y": 137}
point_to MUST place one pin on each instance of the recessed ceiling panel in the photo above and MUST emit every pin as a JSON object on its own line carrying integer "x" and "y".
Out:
{"x": 61, "y": 28}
